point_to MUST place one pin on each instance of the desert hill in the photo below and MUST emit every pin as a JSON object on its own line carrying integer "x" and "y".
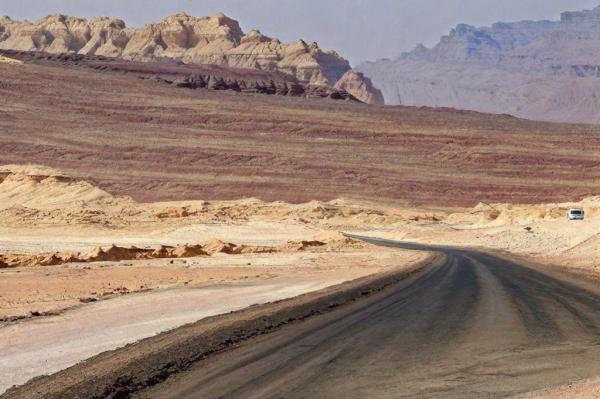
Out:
{"x": 543, "y": 70}
{"x": 196, "y": 76}
{"x": 157, "y": 142}
{"x": 38, "y": 200}
{"x": 216, "y": 40}
{"x": 34, "y": 196}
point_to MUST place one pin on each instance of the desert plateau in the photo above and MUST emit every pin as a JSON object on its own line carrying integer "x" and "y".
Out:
{"x": 193, "y": 209}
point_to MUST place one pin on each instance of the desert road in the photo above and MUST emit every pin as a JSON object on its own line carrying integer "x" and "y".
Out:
{"x": 476, "y": 327}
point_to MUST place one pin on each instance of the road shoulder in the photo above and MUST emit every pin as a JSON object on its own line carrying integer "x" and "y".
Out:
{"x": 152, "y": 360}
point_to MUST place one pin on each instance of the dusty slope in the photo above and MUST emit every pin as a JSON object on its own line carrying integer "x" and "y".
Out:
{"x": 582, "y": 390}
{"x": 39, "y": 187}
{"x": 198, "y": 77}
{"x": 154, "y": 142}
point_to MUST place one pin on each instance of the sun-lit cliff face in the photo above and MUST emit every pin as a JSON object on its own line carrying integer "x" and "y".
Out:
{"x": 208, "y": 40}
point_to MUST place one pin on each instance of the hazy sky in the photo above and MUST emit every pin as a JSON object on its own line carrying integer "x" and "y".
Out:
{"x": 358, "y": 29}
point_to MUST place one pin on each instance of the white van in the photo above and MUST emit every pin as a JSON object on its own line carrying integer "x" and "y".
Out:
{"x": 576, "y": 214}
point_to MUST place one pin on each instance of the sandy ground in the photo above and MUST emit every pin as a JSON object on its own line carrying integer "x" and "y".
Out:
{"x": 44, "y": 211}
{"x": 47, "y": 239}
{"x": 540, "y": 233}
{"x": 10, "y": 61}
{"x": 50, "y": 290}
{"x": 94, "y": 306}
{"x": 54, "y": 316}
{"x": 48, "y": 344}
{"x": 579, "y": 390}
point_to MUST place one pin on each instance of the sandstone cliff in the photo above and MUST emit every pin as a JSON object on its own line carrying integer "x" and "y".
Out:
{"x": 210, "y": 40}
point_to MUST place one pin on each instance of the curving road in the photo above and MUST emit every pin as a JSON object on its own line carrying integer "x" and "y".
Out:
{"x": 476, "y": 327}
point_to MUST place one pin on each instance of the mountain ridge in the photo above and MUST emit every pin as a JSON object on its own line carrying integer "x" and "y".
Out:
{"x": 543, "y": 70}
{"x": 213, "y": 40}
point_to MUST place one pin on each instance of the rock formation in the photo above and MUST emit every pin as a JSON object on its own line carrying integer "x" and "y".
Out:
{"x": 545, "y": 70}
{"x": 189, "y": 76}
{"x": 62, "y": 34}
{"x": 210, "y": 40}
{"x": 361, "y": 87}
{"x": 581, "y": 16}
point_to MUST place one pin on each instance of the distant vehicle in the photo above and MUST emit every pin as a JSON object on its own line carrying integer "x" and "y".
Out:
{"x": 576, "y": 214}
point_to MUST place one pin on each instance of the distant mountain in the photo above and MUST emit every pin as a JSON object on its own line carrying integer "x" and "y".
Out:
{"x": 216, "y": 40}
{"x": 545, "y": 70}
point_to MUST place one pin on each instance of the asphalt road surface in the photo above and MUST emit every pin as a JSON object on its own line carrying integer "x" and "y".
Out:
{"x": 476, "y": 327}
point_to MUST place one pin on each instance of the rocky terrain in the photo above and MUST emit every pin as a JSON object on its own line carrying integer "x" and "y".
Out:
{"x": 156, "y": 142}
{"x": 216, "y": 40}
{"x": 83, "y": 271}
{"x": 62, "y": 300}
{"x": 543, "y": 70}
{"x": 194, "y": 76}
{"x": 361, "y": 88}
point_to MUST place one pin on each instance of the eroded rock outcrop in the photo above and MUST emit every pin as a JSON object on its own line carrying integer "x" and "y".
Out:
{"x": 189, "y": 76}
{"x": 64, "y": 34}
{"x": 361, "y": 87}
{"x": 215, "y": 40}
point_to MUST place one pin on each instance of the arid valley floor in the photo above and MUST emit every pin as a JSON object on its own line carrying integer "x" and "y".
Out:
{"x": 129, "y": 207}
